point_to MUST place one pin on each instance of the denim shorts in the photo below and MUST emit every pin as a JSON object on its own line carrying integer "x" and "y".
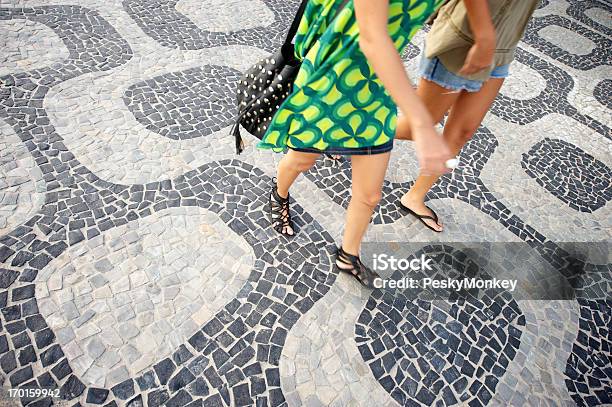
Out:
{"x": 433, "y": 70}
{"x": 366, "y": 150}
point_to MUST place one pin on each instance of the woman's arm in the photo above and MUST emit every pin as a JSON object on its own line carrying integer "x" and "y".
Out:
{"x": 481, "y": 53}
{"x": 376, "y": 44}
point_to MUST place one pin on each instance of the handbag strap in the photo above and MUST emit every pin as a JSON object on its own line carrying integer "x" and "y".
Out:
{"x": 296, "y": 23}
{"x": 298, "y": 18}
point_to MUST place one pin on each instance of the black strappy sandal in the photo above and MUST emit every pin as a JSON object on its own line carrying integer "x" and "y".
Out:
{"x": 422, "y": 217}
{"x": 280, "y": 217}
{"x": 358, "y": 270}
{"x": 334, "y": 157}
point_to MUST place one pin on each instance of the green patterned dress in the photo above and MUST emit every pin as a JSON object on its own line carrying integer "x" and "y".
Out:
{"x": 338, "y": 104}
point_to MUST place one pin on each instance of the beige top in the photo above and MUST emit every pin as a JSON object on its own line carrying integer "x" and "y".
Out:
{"x": 450, "y": 37}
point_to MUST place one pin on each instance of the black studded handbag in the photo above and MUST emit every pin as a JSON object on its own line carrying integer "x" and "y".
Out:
{"x": 266, "y": 85}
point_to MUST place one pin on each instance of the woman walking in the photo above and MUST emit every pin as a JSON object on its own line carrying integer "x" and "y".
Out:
{"x": 466, "y": 59}
{"x": 344, "y": 101}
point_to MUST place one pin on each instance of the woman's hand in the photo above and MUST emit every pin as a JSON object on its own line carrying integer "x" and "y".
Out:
{"x": 432, "y": 151}
{"x": 479, "y": 57}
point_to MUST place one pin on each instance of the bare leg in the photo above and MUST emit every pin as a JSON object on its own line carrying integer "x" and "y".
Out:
{"x": 436, "y": 99}
{"x": 368, "y": 176}
{"x": 464, "y": 119}
{"x": 292, "y": 165}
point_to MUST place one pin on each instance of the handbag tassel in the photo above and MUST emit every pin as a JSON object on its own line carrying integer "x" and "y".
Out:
{"x": 237, "y": 137}
{"x": 235, "y": 131}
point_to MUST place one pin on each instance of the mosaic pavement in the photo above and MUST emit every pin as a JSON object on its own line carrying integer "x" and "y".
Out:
{"x": 137, "y": 267}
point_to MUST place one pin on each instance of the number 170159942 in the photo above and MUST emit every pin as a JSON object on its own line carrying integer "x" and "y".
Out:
{"x": 33, "y": 392}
